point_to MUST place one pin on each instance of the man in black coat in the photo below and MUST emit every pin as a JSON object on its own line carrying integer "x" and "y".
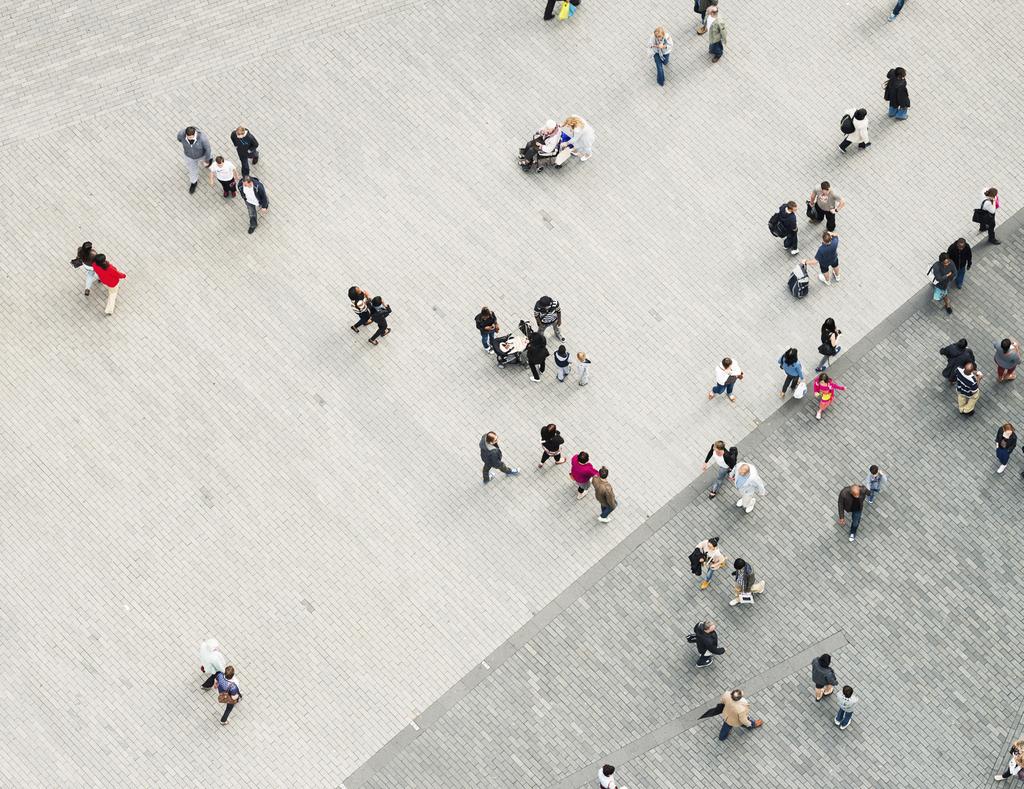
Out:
{"x": 705, "y": 636}
{"x": 851, "y": 500}
{"x": 245, "y": 146}
{"x": 958, "y": 355}
{"x": 960, "y": 253}
{"x": 536, "y": 354}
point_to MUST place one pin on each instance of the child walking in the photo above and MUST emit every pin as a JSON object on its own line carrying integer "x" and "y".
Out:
{"x": 561, "y": 363}
{"x": 825, "y": 388}
{"x": 873, "y": 482}
{"x": 582, "y": 368}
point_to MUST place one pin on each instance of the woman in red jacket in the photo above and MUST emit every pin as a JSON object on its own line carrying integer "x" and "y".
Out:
{"x": 110, "y": 277}
{"x": 582, "y": 472}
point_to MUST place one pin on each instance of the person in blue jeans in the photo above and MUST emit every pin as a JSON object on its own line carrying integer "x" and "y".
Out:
{"x": 896, "y": 93}
{"x": 896, "y": 11}
{"x": 851, "y": 500}
{"x": 845, "y": 712}
{"x": 660, "y": 46}
{"x": 487, "y": 325}
{"x": 726, "y": 375}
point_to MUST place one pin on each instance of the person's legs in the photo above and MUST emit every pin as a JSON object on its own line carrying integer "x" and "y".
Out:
{"x": 830, "y": 220}
{"x": 90, "y": 278}
{"x": 487, "y": 472}
{"x": 549, "y": 9}
{"x": 659, "y": 64}
{"x": 252, "y": 215}
{"x": 855, "y": 522}
{"x": 193, "y": 170}
{"x": 111, "y": 299}
{"x": 901, "y": 113}
{"x": 243, "y": 158}
{"x": 898, "y": 7}
{"x": 729, "y": 388}
{"x": 749, "y": 500}
{"x": 791, "y": 241}
{"x": 726, "y": 729}
{"x": 209, "y": 681}
{"x": 227, "y": 711}
{"x": 847, "y": 717}
{"x": 960, "y": 274}
{"x": 606, "y": 511}
{"x": 543, "y": 458}
{"x": 720, "y": 476}
{"x": 533, "y": 371}
{"x": 709, "y": 573}
{"x": 364, "y": 318}
{"x": 790, "y": 382}
{"x": 992, "y": 229}
{"x": 845, "y": 143}
{"x": 892, "y": 111}
{"x": 382, "y": 329}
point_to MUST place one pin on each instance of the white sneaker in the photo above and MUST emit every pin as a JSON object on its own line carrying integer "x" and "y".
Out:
{"x": 818, "y": 415}
{"x": 822, "y": 278}
{"x": 794, "y": 251}
{"x": 603, "y": 520}
{"x": 739, "y": 503}
{"x": 580, "y": 494}
{"x": 735, "y": 601}
{"x": 749, "y": 509}
{"x": 853, "y": 538}
{"x": 835, "y": 276}
{"x": 1001, "y": 469}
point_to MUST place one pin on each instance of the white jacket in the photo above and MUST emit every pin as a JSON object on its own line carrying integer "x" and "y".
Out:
{"x": 210, "y": 657}
{"x": 860, "y": 129}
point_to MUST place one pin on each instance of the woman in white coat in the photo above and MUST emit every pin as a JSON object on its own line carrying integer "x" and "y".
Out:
{"x": 581, "y": 141}
{"x": 859, "y": 134}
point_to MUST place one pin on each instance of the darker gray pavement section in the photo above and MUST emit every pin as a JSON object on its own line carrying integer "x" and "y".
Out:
{"x": 925, "y": 598}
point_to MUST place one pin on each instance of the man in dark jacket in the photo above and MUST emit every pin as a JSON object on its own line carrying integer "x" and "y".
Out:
{"x": 787, "y": 218}
{"x": 706, "y": 639}
{"x": 960, "y": 253}
{"x": 255, "y": 196}
{"x": 823, "y": 677}
{"x": 958, "y": 354}
{"x": 851, "y": 499}
{"x": 490, "y": 454}
{"x": 896, "y": 93}
{"x": 536, "y": 354}
{"x": 245, "y": 146}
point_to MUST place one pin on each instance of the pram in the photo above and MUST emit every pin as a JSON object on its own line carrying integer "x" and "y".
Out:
{"x": 511, "y": 349}
{"x": 532, "y": 155}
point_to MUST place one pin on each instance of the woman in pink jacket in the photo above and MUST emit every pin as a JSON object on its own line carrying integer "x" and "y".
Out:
{"x": 825, "y": 389}
{"x": 582, "y": 471}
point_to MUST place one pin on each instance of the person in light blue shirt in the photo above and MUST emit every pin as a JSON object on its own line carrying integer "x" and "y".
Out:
{"x": 873, "y": 482}
{"x": 794, "y": 371}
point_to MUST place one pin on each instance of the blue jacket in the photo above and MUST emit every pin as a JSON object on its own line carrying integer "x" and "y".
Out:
{"x": 795, "y": 370}
{"x": 788, "y": 219}
{"x": 828, "y": 254}
{"x": 261, "y": 193}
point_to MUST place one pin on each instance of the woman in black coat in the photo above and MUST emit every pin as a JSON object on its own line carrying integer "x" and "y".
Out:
{"x": 829, "y": 344}
{"x": 1006, "y": 442}
{"x": 896, "y": 93}
{"x": 536, "y": 354}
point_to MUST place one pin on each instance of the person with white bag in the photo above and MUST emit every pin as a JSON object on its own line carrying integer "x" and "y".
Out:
{"x": 790, "y": 365}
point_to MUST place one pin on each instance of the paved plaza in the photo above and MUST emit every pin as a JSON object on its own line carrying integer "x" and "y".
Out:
{"x": 223, "y": 457}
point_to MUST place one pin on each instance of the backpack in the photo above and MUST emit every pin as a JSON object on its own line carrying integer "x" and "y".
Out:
{"x": 730, "y": 456}
{"x": 799, "y": 281}
{"x": 775, "y": 225}
{"x": 846, "y": 124}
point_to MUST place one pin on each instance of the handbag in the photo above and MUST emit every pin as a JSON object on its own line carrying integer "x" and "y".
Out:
{"x": 225, "y": 698}
{"x": 812, "y": 212}
{"x": 800, "y": 391}
{"x": 563, "y": 13}
{"x": 731, "y": 380}
{"x": 980, "y": 215}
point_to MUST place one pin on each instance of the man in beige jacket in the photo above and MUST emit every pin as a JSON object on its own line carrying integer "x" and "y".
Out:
{"x": 736, "y": 712}
{"x": 604, "y": 494}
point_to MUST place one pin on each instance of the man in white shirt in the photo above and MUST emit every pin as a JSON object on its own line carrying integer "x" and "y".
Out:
{"x": 255, "y": 198}
{"x": 606, "y": 778}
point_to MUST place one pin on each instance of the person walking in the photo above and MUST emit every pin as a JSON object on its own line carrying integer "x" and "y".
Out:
{"x": 228, "y": 693}
{"x": 749, "y": 486}
{"x": 746, "y": 584}
{"x": 195, "y": 146}
{"x": 360, "y": 306}
{"x": 581, "y": 138}
{"x": 604, "y": 494}
{"x": 245, "y": 145}
{"x": 786, "y": 229}
{"x": 710, "y": 558}
{"x": 896, "y": 93}
{"x": 968, "y": 388}
{"x": 547, "y": 312}
{"x": 211, "y": 659}
{"x": 736, "y": 712}
{"x": 727, "y": 374}
{"x": 858, "y": 126}
{"x": 825, "y": 389}
{"x": 943, "y": 273}
{"x": 582, "y": 471}
{"x": 109, "y": 276}
{"x": 823, "y": 677}
{"x": 825, "y": 203}
{"x": 724, "y": 460}
{"x": 582, "y": 369}
{"x": 551, "y": 445}
{"x": 874, "y": 482}
{"x": 1016, "y": 762}
{"x": 84, "y": 257}
{"x": 705, "y": 637}
{"x": 379, "y": 312}
{"x": 790, "y": 365}
{"x": 701, "y": 7}
{"x": 255, "y": 195}
{"x": 536, "y": 354}
{"x": 844, "y": 712}
{"x": 851, "y": 500}
{"x": 490, "y": 454}
{"x": 487, "y": 325}
{"x": 896, "y": 9}
{"x": 828, "y": 257}
{"x": 606, "y": 778}
{"x": 224, "y": 171}
{"x": 957, "y": 355}
{"x": 1006, "y": 442}
{"x": 716, "y": 34}
{"x": 829, "y": 347}
{"x": 985, "y": 216}
{"x": 562, "y": 361}
{"x": 659, "y": 45}
{"x": 1007, "y": 357}
{"x": 960, "y": 253}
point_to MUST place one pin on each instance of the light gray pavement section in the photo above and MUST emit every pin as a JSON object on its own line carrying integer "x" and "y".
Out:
{"x": 223, "y": 457}
{"x": 924, "y": 600}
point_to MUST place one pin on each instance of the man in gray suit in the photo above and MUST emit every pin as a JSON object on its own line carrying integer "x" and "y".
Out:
{"x": 196, "y": 146}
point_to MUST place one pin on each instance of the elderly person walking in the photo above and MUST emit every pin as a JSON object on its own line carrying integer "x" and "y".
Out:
{"x": 736, "y": 712}
{"x": 749, "y": 486}
{"x": 716, "y": 34}
{"x": 1007, "y": 358}
{"x": 659, "y": 45}
{"x": 968, "y": 388}
{"x": 581, "y": 137}
{"x": 859, "y": 135}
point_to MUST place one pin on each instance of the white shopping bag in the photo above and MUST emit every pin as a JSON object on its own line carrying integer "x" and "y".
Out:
{"x": 800, "y": 391}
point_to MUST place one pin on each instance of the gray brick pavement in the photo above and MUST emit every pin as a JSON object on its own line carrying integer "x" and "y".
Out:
{"x": 226, "y": 403}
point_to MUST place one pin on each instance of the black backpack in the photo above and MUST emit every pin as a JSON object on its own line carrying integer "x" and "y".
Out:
{"x": 846, "y": 124}
{"x": 799, "y": 286}
{"x": 775, "y": 225}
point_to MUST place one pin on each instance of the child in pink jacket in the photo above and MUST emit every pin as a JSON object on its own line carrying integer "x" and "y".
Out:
{"x": 582, "y": 471}
{"x": 825, "y": 389}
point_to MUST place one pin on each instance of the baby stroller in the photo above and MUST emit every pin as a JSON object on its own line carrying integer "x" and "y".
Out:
{"x": 532, "y": 155}
{"x": 511, "y": 349}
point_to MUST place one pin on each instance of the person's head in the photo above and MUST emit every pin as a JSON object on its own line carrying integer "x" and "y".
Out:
{"x": 736, "y": 695}
{"x": 354, "y": 293}
{"x": 492, "y": 438}
{"x": 247, "y": 180}
{"x": 101, "y": 261}
{"x": 855, "y": 490}
{"x": 85, "y": 248}
{"x": 561, "y": 350}
{"x": 744, "y": 470}
{"x": 713, "y": 542}
{"x": 190, "y": 133}
{"x": 726, "y": 363}
{"x": 860, "y": 114}
{"x": 241, "y": 131}
{"x": 829, "y": 325}
{"x": 873, "y": 469}
{"x": 581, "y": 357}
{"x": 1007, "y": 430}
{"x": 218, "y": 159}
{"x": 659, "y": 32}
{"x": 899, "y": 72}
{"x": 943, "y": 257}
{"x": 549, "y": 126}
{"x": 551, "y": 429}
{"x": 825, "y": 660}
{"x": 825, "y": 186}
{"x": 991, "y": 192}
{"x": 485, "y": 311}
{"x": 847, "y": 691}
{"x": 583, "y": 457}
{"x": 719, "y": 446}
{"x": 1005, "y": 344}
{"x": 791, "y": 206}
{"x": 961, "y": 243}
{"x": 376, "y": 301}
{"x": 603, "y": 472}
{"x": 739, "y": 564}
{"x": 790, "y": 356}
{"x": 573, "y": 122}
{"x": 709, "y": 625}
{"x": 824, "y": 378}
{"x": 229, "y": 672}
{"x": 826, "y": 237}
{"x": 607, "y": 770}
{"x": 969, "y": 367}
